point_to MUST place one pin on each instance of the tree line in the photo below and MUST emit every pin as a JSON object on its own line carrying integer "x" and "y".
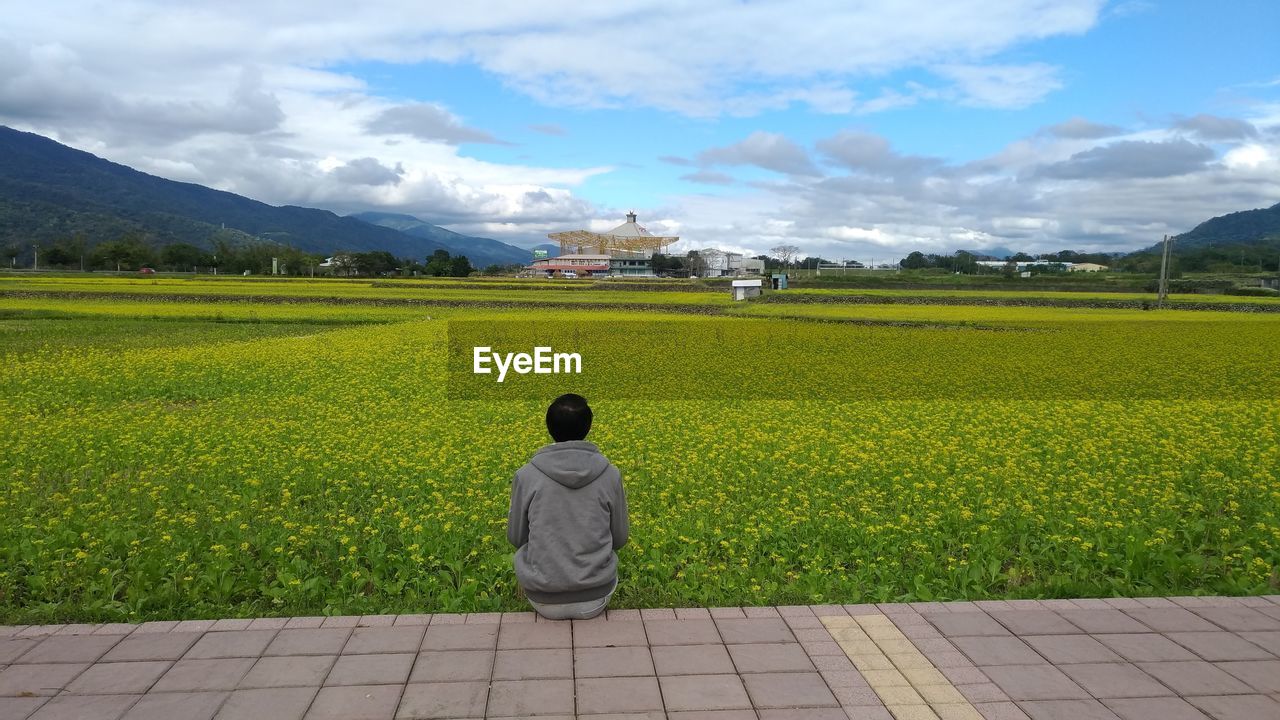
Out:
{"x": 232, "y": 252}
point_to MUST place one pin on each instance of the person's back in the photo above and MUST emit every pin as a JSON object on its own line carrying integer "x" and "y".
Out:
{"x": 568, "y": 516}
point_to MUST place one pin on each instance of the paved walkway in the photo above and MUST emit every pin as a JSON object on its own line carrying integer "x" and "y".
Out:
{"x": 1157, "y": 659}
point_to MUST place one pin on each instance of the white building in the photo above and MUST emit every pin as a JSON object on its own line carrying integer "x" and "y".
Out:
{"x": 719, "y": 263}
{"x": 743, "y": 289}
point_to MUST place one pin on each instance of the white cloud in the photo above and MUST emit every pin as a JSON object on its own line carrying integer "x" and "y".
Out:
{"x": 709, "y": 177}
{"x": 1249, "y": 156}
{"x": 705, "y": 58}
{"x": 429, "y": 122}
{"x": 1042, "y": 193}
{"x": 1213, "y": 127}
{"x": 1001, "y": 86}
{"x": 1078, "y": 128}
{"x": 770, "y": 151}
{"x": 257, "y": 99}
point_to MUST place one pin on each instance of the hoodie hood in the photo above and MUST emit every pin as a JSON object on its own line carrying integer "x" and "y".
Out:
{"x": 573, "y": 464}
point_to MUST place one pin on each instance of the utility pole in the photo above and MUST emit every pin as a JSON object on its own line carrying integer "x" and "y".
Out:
{"x": 1164, "y": 273}
{"x": 35, "y": 250}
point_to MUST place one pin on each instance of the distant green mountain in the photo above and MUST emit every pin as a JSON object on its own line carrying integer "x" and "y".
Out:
{"x": 49, "y": 192}
{"x": 481, "y": 251}
{"x": 1238, "y": 228}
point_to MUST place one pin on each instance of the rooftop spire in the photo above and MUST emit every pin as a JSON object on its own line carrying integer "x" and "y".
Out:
{"x": 631, "y": 216}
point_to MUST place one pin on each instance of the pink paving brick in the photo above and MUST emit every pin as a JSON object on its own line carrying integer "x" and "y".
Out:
{"x": 727, "y": 612}
{"x": 1161, "y": 658}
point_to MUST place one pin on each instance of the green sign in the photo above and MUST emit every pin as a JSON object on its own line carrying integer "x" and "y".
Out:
{"x": 539, "y": 254}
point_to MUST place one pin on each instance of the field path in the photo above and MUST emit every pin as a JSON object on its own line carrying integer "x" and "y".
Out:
{"x": 1165, "y": 658}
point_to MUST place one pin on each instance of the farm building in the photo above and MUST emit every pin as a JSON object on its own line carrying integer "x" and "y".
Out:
{"x": 743, "y": 289}
{"x": 581, "y": 265}
{"x": 625, "y": 250}
{"x": 722, "y": 263}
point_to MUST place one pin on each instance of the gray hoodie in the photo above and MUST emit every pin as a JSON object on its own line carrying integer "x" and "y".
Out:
{"x": 568, "y": 516}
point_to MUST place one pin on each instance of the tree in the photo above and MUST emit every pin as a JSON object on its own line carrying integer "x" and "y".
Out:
{"x": 59, "y": 255}
{"x": 770, "y": 262}
{"x": 11, "y": 253}
{"x": 965, "y": 262}
{"x": 785, "y": 254}
{"x": 68, "y": 251}
{"x": 665, "y": 263}
{"x": 308, "y": 262}
{"x": 183, "y": 257}
{"x": 459, "y": 266}
{"x": 438, "y": 264}
{"x": 377, "y": 262}
{"x": 915, "y": 261}
{"x": 696, "y": 263}
{"x": 127, "y": 253}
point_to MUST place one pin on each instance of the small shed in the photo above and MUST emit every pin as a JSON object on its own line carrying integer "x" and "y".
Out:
{"x": 778, "y": 281}
{"x": 743, "y": 289}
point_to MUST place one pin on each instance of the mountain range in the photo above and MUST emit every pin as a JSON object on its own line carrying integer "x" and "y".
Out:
{"x": 49, "y": 191}
{"x": 1245, "y": 227}
{"x": 481, "y": 251}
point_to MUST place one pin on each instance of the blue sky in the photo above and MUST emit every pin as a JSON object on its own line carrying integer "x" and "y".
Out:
{"x": 848, "y": 130}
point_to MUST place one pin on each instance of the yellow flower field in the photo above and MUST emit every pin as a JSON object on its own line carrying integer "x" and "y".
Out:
{"x": 178, "y": 459}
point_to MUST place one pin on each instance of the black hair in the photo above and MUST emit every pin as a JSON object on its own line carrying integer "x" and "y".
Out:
{"x": 569, "y": 418}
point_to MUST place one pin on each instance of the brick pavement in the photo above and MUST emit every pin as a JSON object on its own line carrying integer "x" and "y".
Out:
{"x": 1125, "y": 659}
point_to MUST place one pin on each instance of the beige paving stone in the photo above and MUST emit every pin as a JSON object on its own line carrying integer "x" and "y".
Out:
{"x": 884, "y": 632}
{"x": 898, "y": 647}
{"x": 860, "y": 647}
{"x": 885, "y": 678}
{"x": 925, "y": 676}
{"x": 849, "y": 634}
{"x": 912, "y": 712}
{"x": 899, "y": 695}
{"x": 961, "y": 711}
{"x": 862, "y": 609}
{"x": 941, "y": 694}
{"x": 910, "y": 661}
{"x": 872, "y": 662}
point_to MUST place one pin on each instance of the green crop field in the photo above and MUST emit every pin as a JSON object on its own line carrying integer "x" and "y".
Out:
{"x": 213, "y": 448}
